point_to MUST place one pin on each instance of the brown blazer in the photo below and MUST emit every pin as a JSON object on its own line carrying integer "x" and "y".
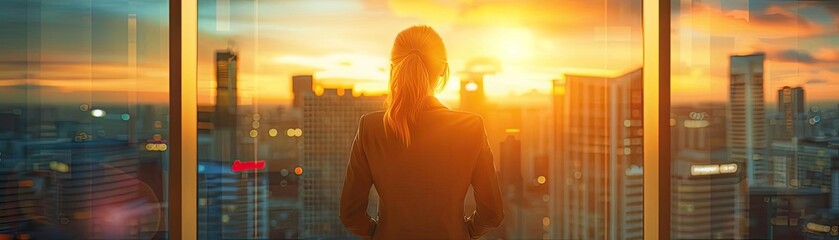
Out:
{"x": 422, "y": 187}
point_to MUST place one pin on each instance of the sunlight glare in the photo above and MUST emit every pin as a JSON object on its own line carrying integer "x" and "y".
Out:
{"x": 511, "y": 43}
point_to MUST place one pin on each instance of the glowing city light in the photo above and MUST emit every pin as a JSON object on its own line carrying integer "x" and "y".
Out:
{"x": 272, "y": 132}
{"x": 697, "y": 115}
{"x": 298, "y": 171}
{"x": 125, "y": 117}
{"x": 712, "y": 169}
{"x": 541, "y": 180}
{"x": 59, "y": 167}
{"x": 728, "y": 168}
{"x": 815, "y": 227}
{"x": 97, "y": 113}
{"x": 294, "y": 132}
{"x": 253, "y": 133}
{"x": 157, "y": 145}
{"x": 698, "y": 170}
{"x": 815, "y": 119}
{"x": 696, "y": 123}
{"x": 471, "y": 87}
{"x": 239, "y": 166}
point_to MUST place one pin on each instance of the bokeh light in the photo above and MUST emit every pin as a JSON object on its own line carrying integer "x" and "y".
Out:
{"x": 97, "y": 113}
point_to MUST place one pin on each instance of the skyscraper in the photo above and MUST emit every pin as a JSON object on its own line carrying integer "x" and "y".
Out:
{"x": 596, "y": 170}
{"x": 224, "y": 124}
{"x": 791, "y": 109}
{"x": 746, "y": 130}
{"x": 330, "y": 122}
{"x": 702, "y": 197}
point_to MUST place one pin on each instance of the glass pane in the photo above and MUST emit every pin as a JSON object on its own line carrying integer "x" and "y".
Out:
{"x": 83, "y": 119}
{"x": 282, "y": 85}
{"x": 755, "y": 119}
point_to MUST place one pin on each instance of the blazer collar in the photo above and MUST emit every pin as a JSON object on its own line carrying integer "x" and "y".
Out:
{"x": 431, "y": 103}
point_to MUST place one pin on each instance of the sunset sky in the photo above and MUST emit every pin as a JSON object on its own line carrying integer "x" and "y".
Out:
{"x": 81, "y": 48}
{"x": 800, "y": 39}
{"x": 347, "y": 43}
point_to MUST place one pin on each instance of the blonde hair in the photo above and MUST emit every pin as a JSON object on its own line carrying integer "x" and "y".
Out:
{"x": 418, "y": 69}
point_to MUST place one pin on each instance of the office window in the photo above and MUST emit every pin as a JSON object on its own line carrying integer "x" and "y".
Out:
{"x": 83, "y": 119}
{"x": 754, "y": 120}
{"x": 283, "y": 83}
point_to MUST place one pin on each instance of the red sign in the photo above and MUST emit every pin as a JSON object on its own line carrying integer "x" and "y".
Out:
{"x": 239, "y": 166}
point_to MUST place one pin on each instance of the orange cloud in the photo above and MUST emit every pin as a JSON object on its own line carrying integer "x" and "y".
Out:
{"x": 827, "y": 54}
{"x": 775, "y": 22}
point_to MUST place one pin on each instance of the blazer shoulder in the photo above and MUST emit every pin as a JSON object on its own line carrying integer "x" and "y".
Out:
{"x": 470, "y": 117}
{"x": 372, "y": 117}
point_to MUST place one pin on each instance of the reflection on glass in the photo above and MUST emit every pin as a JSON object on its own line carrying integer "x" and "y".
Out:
{"x": 600, "y": 159}
{"x": 755, "y": 137}
{"x": 285, "y": 82}
{"x": 83, "y": 119}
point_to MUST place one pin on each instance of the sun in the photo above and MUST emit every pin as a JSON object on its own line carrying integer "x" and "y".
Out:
{"x": 514, "y": 43}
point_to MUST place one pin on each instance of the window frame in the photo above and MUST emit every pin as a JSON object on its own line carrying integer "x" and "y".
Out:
{"x": 183, "y": 36}
{"x": 183, "y": 116}
{"x": 657, "y": 165}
